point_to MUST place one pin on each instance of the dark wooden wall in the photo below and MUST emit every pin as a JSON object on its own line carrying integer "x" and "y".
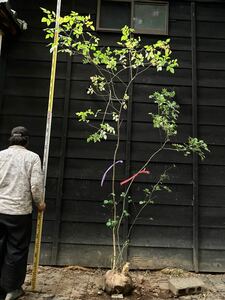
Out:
{"x": 185, "y": 228}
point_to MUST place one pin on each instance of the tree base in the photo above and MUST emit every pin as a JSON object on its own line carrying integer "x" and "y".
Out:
{"x": 117, "y": 283}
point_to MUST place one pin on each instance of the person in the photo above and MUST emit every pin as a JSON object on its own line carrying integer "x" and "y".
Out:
{"x": 21, "y": 183}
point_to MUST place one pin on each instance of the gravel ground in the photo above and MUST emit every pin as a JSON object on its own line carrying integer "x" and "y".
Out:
{"x": 79, "y": 283}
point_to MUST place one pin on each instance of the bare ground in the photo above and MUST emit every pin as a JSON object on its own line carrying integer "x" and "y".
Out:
{"x": 77, "y": 283}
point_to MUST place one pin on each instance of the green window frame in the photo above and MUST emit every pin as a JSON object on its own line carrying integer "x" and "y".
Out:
{"x": 134, "y": 13}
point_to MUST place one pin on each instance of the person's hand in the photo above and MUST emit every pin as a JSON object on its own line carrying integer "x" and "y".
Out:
{"x": 41, "y": 206}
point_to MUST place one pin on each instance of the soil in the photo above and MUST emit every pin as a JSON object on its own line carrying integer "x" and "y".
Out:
{"x": 78, "y": 283}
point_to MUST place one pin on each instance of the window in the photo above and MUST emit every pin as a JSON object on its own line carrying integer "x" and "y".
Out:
{"x": 145, "y": 16}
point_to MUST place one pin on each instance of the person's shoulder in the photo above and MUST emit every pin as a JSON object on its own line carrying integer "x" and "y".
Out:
{"x": 32, "y": 154}
{"x": 4, "y": 151}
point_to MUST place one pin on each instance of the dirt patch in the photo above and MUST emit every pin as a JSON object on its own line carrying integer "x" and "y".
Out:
{"x": 79, "y": 283}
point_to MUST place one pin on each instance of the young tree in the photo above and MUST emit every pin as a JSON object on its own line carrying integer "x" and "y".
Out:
{"x": 128, "y": 60}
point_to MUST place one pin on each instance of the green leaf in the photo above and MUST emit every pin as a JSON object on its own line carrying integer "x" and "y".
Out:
{"x": 83, "y": 115}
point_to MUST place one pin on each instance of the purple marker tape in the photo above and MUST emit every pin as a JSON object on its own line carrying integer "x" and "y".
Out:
{"x": 104, "y": 175}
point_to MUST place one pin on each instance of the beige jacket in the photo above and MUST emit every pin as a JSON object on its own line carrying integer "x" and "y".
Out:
{"x": 21, "y": 180}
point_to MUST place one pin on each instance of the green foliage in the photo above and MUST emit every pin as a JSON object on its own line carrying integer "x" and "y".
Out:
{"x": 193, "y": 145}
{"x": 76, "y": 37}
{"x": 98, "y": 84}
{"x": 115, "y": 116}
{"x": 50, "y": 17}
{"x": 74, "y": 33}
{"x": 107, "y": 202}
{"x": 101, "y": 134}
{"x": 168, "y": 111}
{"x": 125, "y": 213}
{"x": 112, "y": 223}
{"x": 157, "y": 187}
{"x": 159, "y": 55}
{"x": 83, "y": 115}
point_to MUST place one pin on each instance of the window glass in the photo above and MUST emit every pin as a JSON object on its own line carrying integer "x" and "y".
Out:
{"x": 114, "y": 15}
{"x": 150, "y": 17}
{"x": 145, "y": 16}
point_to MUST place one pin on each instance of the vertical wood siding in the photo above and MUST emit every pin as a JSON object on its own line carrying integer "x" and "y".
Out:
{"x": 74, "y": 227}
{"x": 211, "y": 88}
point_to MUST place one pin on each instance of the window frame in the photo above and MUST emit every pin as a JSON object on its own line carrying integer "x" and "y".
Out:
{"x": 138, "y": 31}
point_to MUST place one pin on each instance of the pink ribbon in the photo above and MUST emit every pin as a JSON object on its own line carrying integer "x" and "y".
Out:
{"x": 144, "y": 171}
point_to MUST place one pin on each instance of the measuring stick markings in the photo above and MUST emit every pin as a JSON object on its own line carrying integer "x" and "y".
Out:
{"x": 37, "y": 246}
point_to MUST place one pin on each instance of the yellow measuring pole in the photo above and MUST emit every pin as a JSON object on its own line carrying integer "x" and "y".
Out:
{"x": 37, "y": 246}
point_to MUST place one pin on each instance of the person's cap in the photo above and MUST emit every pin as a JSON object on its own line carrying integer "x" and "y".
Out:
{"x": 19, "y": 131}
